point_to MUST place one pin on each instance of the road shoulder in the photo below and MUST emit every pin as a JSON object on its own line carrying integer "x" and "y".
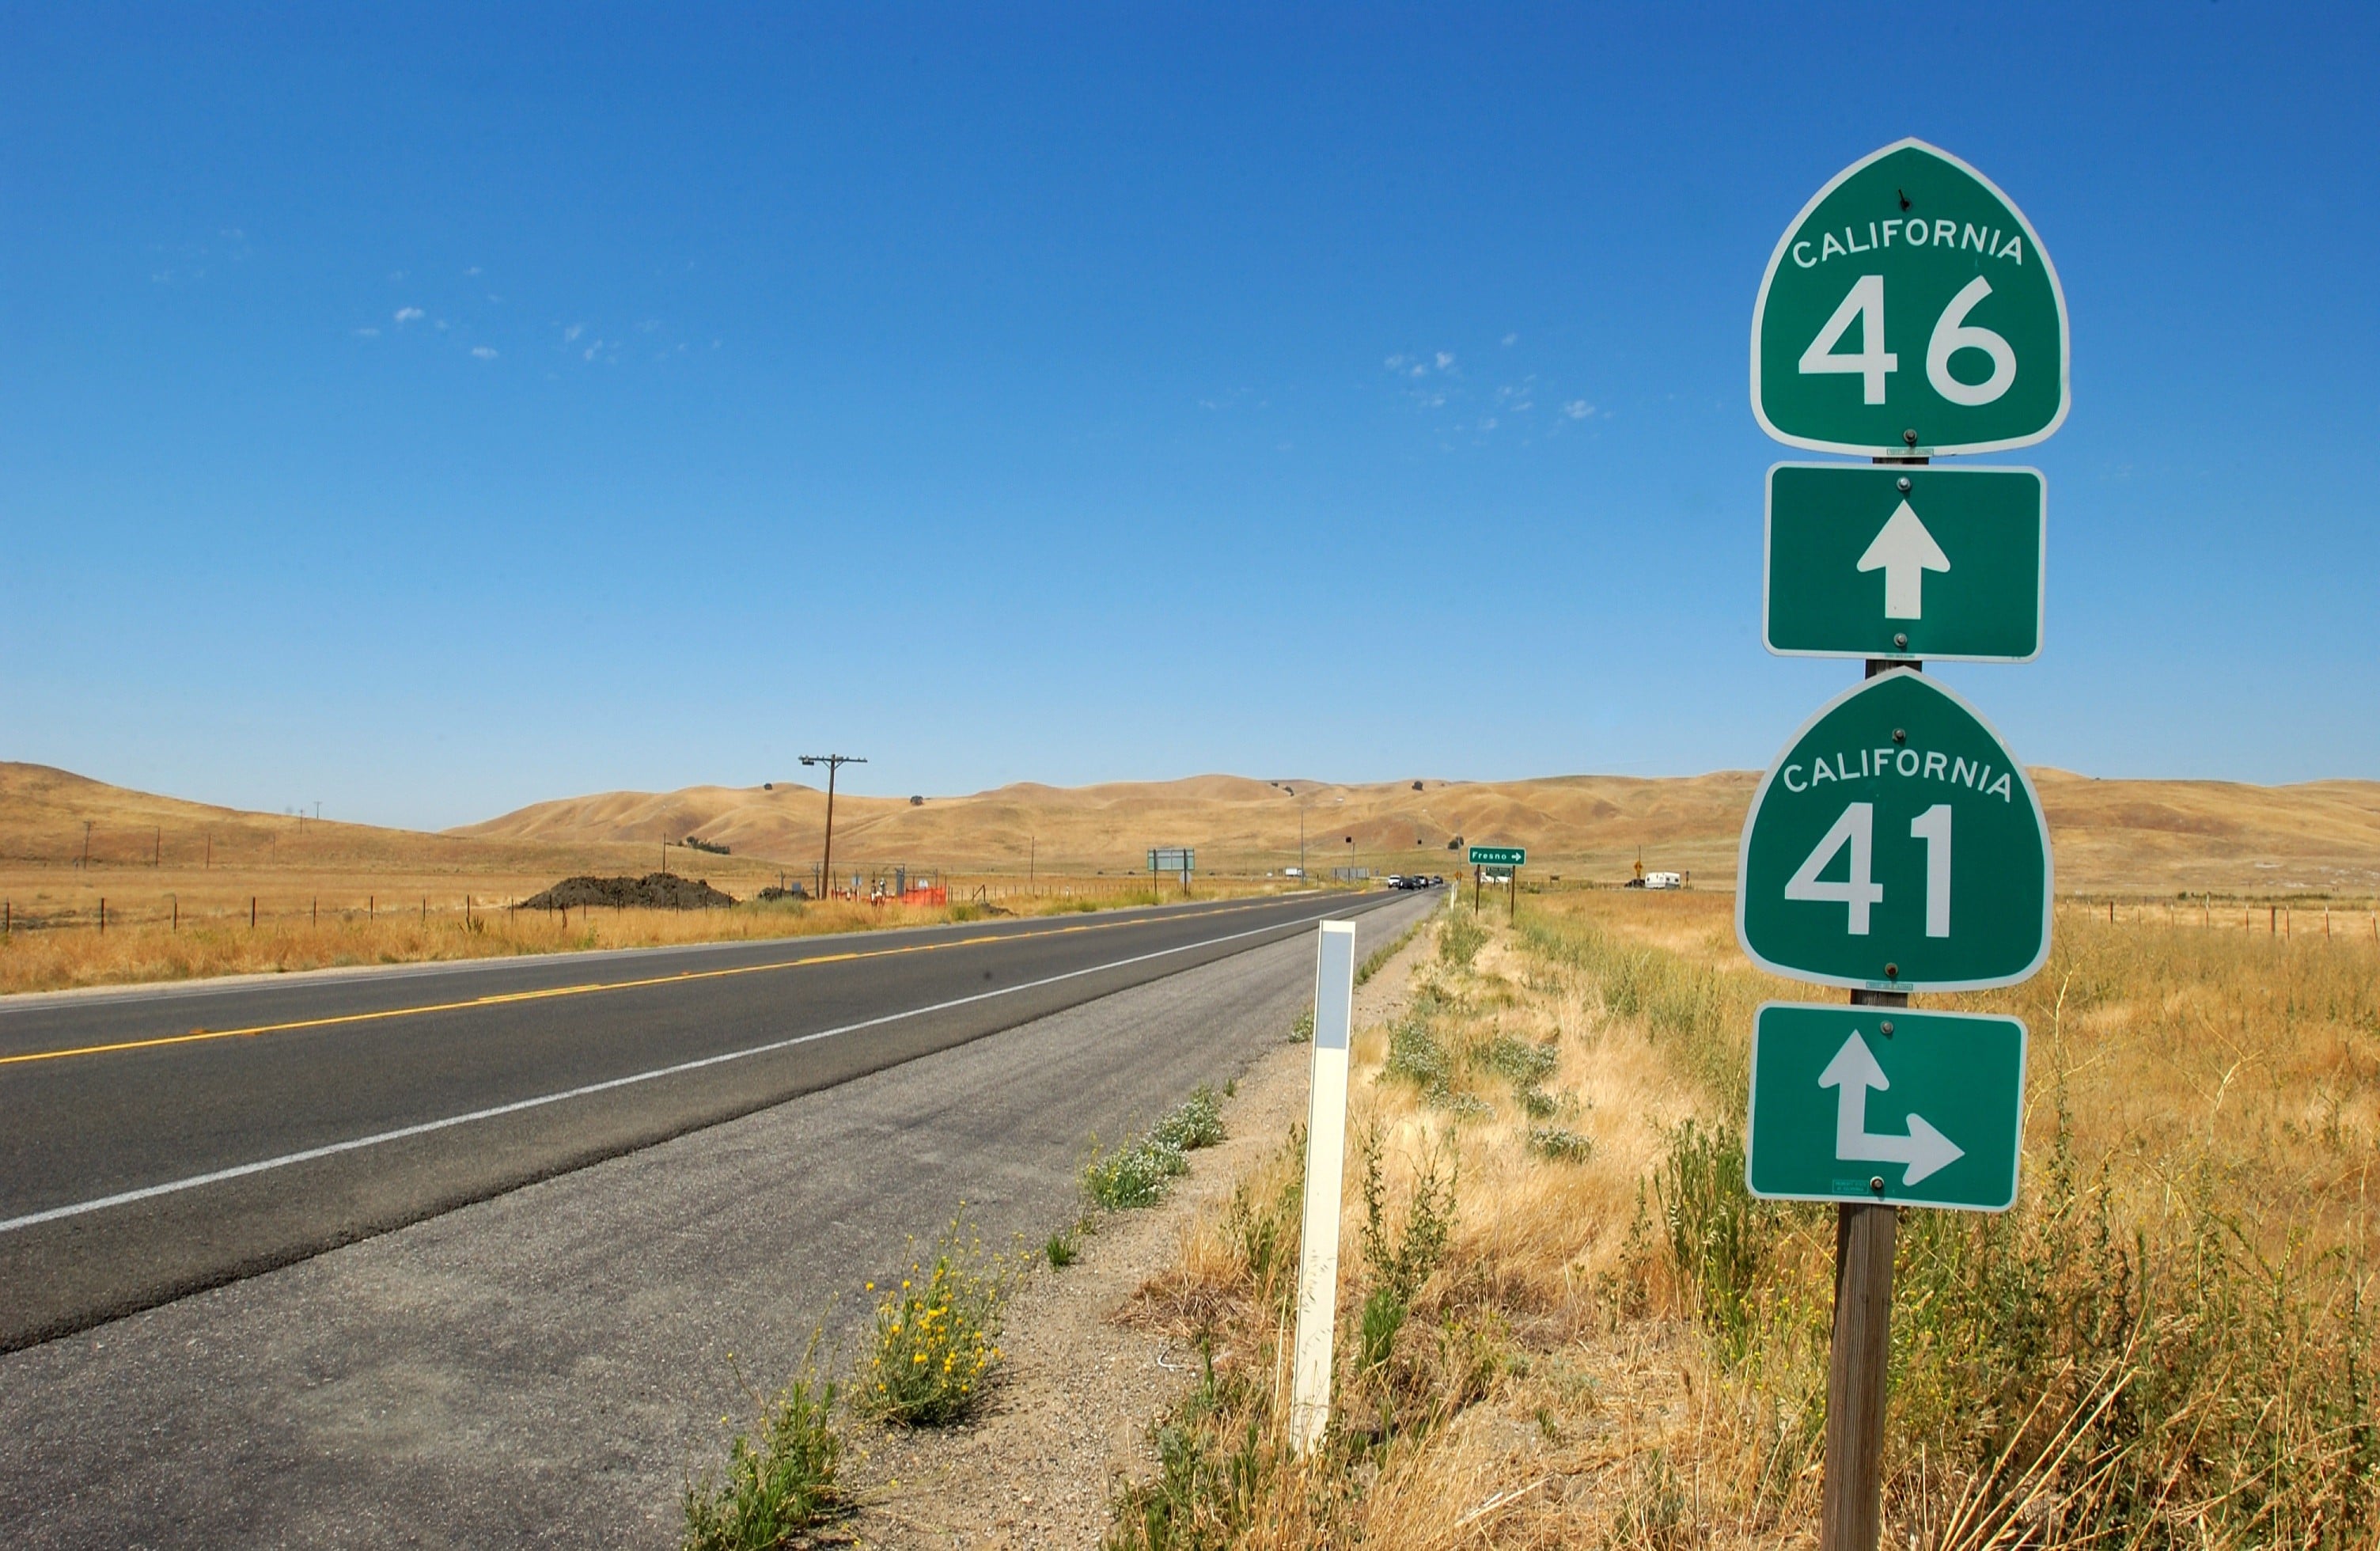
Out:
{"x": 1086, "y": 1381}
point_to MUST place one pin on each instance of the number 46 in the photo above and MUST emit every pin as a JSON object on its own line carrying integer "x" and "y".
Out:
{"x": 1859, "y": 890}
{"x": 1952, "y": 333}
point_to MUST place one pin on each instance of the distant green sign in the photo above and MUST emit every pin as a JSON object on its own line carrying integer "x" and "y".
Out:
{"x": 1879, "y": 561}
{"x": 1896, "y": 844}
{"x": 1883, "y": 1104}
{"x": 1172, "y": 858}
{"x": 1909, "y": 297}
{"x": 1498, "y": 855}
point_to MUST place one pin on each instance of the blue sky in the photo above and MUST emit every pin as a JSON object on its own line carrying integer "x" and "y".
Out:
{"x": 426, "y": 411}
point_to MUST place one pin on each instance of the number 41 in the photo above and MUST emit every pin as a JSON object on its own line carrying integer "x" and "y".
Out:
{"x": 1859, "y": 890}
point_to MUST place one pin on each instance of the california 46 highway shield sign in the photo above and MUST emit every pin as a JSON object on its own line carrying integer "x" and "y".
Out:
{"x": 1909, "y": 308}
{"x": 1896, "y": 845}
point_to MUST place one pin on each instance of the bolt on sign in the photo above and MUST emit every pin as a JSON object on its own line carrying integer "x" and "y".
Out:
{"x": 1909, "y": 309}
{"x": 1896, "y": 846}
{"x": 1885, "y": 1105}
{"x": 1884, "y": 561}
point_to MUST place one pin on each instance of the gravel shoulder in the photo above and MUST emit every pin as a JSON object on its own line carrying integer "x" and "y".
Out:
{"x": 1072, "y": 1419}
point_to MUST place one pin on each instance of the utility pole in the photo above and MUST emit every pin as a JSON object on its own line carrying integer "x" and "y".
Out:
{"x": 832, "y": 763}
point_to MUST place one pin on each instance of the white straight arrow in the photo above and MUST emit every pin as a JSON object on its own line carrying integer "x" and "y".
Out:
{"x": 1905, "y": 551}
{"x": 1925, "y": 1149}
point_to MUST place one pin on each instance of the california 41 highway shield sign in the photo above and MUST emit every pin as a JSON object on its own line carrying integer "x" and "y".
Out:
{"x": 1896, "y": 845}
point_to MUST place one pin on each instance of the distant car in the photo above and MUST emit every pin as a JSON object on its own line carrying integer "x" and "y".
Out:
{"x": 1397, "y": 880}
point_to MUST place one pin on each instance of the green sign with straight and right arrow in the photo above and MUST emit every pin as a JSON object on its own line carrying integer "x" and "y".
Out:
{"x": 1909, "y": 560}
{"x": 1885, "y": 1105}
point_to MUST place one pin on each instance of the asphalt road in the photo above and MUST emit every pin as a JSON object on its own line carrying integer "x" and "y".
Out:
{"x": 547, "y": 1365}
{"x": 160, "y": 1141}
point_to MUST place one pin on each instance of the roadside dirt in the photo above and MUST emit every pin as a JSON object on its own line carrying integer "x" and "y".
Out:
{"x": 1072, "y": 1419}
{"x": 655, "y": 891}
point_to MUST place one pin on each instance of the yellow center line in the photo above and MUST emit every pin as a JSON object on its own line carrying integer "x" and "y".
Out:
{"x": 591, "y": 987}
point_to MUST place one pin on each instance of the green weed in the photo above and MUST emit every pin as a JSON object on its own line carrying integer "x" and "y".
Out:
{"x": 780, "y": 1479}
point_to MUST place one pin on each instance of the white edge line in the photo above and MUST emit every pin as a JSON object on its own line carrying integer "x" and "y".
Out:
{"x": 332, "y": 1149}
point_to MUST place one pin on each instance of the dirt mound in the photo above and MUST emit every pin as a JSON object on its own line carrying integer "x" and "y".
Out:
{"x": 655, "y": 891}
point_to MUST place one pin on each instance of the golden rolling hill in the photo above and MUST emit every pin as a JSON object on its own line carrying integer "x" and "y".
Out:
{"x": 2133, "y": 837}
{"x": 2136, "y": 837}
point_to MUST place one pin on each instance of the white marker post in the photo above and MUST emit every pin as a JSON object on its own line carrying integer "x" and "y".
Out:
{"x": 1326, "y": 1167}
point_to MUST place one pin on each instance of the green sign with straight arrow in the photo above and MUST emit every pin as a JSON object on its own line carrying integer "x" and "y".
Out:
{"x": 1909, "y": 309}
{"x": 1885, "y": 1105}
{"x": 1916, "y": 561}
{"x": 1896, "y": 846}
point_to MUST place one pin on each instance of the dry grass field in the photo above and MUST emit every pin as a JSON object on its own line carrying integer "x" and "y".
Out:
{"x": 190, "y": 890}
{"x": 1564, "y": 1322}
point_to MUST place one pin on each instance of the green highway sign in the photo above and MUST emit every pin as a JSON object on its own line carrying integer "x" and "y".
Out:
{"x": 1898, "y": 845}
{"x": 1498, "y": 855}
{"x": 1885, "y": 1105}
{"x": 1883, "y": 561}
{"x": 1909, "y": 297}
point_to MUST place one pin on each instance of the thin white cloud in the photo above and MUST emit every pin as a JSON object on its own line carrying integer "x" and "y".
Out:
{"x": 473, "y": 269}
{"x": 573, "y": 331}
{"x": 367, "y": 333}
{"x": 1445, "y": 360}
{"x": 483, "y": 352}
{"x": 1394, "y": 363}
{"x": 1512, "y": 339}
{"x": 410, "y": 314}
{"x": 1578, "y": 409}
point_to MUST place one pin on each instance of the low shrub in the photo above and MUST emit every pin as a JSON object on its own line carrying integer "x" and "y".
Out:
{"x": 1140, "y": 1174}
{"x": 935, "y": 1349}
{"x": 1560, "y": 1144}
{"x": 1198, "y": 1123}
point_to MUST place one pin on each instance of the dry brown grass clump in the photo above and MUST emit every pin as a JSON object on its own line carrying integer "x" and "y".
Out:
{"x": 1605, "y": 1340}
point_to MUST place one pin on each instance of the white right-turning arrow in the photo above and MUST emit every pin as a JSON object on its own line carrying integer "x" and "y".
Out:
{"x": 1925, "y": 1149}
{"x": 1905, "y": 551}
